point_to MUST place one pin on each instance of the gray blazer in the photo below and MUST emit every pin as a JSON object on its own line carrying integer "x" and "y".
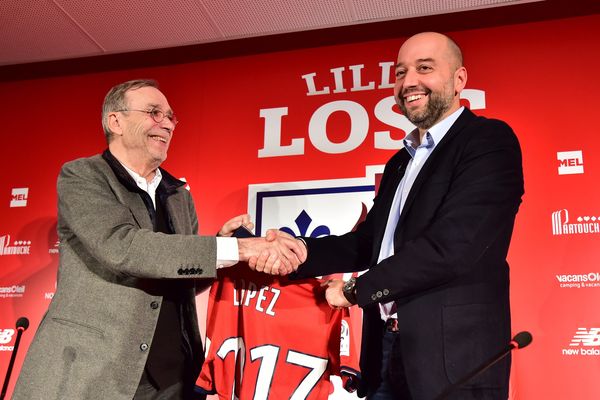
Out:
{"x": 94, "y": 340}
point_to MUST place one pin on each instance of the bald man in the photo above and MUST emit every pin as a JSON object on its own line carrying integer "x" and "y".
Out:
{"x": 436, "y": 293}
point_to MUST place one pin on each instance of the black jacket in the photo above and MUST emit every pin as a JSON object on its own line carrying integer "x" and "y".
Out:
{"x": 449, "y": 276}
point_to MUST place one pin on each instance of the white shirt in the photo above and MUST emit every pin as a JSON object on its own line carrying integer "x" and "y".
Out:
{"x": 227, "y": 247}
{"x": 419, "y": 156}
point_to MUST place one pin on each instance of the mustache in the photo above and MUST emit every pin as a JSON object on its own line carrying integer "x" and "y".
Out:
{"x": 415, "y": 89}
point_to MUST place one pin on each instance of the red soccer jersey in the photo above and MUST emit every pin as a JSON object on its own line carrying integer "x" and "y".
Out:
{"x": 268, "y": 337}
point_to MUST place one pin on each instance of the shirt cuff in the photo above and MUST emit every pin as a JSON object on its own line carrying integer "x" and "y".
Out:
{"x": 227, "y": 252}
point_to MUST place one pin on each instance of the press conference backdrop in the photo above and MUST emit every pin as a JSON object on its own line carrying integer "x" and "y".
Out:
{"x": 327, "y": 113}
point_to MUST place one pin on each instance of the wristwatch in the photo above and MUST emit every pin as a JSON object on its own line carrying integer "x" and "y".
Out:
{"x": 349, "y": 290}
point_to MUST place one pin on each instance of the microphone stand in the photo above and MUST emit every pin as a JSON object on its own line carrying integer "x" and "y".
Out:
{"x": 493, "y": 360}
{"x": 20, "y": 330}
{"x": 521, "y": 339}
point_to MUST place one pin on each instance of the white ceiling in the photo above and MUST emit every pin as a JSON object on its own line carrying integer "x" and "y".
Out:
{"x": 45, "y": 30}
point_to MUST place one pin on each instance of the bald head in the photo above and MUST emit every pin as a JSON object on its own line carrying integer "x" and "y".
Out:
{"x": 440, "y": 44}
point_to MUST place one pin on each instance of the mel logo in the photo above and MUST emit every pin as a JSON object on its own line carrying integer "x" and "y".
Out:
{"x": 570, "y": 162}
{"x": 19, "y": 197}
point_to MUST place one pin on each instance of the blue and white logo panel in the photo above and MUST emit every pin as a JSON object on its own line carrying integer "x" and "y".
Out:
{"x": 312, "y": 208}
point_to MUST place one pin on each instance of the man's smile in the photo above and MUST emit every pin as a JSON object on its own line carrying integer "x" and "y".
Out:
{"x": 158, "y": 138}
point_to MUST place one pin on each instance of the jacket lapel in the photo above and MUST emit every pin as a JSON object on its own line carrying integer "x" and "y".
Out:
{"x": 138, "y": 209}
{"x": 176, "y": 206}
{"x": 128, "y": 191}
{"x": 465, "y": 117}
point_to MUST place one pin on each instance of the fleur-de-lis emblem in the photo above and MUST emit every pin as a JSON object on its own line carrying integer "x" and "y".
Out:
{"x": 303, "y": 222}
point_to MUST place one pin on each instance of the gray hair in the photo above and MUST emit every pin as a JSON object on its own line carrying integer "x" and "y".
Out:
{"x": 115, "y": 100}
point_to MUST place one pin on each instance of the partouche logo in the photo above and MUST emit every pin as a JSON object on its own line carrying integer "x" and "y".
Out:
{"x": 12, "y": 291}
{"x": 590, "y": 280}
{"x": 585, "y": 342}
{"x": 6, "y": 336}
{"x": 19, "y": 247}
{"x": 570, "y": 162}
{"x": 19, "y": 197}
{"x": 583, "y": 225}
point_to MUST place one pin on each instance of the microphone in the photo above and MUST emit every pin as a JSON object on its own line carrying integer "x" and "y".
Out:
{"x": 519, "y": 341}
{"x": 21, "y": 325}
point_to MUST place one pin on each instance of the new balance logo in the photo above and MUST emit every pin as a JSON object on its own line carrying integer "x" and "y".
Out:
{"x": 584, "y": 337}
{"x": 582, "y": 225}
{"x": 585, "y": 342}
{"x": 570, "y": 162}
{"x": 6, "y": 336}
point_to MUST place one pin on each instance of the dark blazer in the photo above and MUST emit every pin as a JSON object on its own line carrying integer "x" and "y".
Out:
{"x": 449, "y": 276}
{"x": 95, "y": 338}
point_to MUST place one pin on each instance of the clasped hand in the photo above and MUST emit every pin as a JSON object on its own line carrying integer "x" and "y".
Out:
{"x": 278, "y": 253}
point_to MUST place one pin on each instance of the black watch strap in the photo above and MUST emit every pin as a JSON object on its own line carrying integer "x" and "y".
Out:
{"x": 349, "y": 290}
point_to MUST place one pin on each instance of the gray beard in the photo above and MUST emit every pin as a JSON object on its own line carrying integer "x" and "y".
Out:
{"x": 436, "y": 107}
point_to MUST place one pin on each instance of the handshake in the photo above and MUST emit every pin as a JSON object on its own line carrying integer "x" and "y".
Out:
{"x": 278, "y": 253}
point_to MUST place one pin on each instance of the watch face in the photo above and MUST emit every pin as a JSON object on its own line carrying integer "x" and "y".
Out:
{"x": 349, "y": 285}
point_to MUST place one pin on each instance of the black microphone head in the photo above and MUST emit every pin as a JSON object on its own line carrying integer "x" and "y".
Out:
{"x": 522, "y": 339}
{"x": 23, "y": 323}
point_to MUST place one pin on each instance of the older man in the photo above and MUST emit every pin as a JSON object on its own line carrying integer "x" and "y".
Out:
{"x": 122, "y": 323}
{"x": 436, "y": 293}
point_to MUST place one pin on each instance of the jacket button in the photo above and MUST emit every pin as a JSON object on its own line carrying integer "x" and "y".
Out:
{"x": 386, "y": 292}
{"x": 180, "y": 271}
{"x": 199, "y": 271}
{"x": 144, "y": 346}
{"x": 379, "y": 294}
{"x": 154, "y": 305}
{"x": 373, "y": 297}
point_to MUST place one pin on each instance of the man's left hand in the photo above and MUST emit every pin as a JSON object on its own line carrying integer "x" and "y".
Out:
{"x": 230, "y": 226}
{"x": 334, "y": 294}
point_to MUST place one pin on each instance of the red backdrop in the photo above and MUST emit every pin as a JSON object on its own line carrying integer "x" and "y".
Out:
{"x": 540, "y": 77}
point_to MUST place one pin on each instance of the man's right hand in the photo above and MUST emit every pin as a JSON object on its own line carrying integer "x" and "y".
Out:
{"x": 265, "y": 259}
{"x": 276, "y": 254}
